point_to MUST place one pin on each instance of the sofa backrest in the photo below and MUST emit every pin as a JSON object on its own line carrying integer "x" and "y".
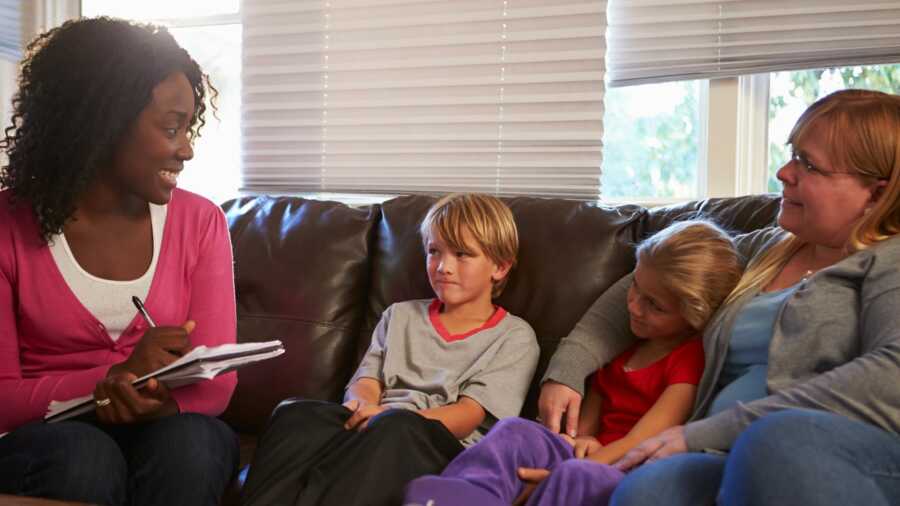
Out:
{"x": 318, "y": 275}
{"x": 301, "y": 276}
{"x": 737, "y": 215}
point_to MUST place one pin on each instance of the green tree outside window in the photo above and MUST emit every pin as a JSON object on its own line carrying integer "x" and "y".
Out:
{"x": 792, "y": 92}
{"x": 650, "y": 141}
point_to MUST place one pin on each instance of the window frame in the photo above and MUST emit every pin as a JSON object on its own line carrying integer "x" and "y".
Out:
{"x": 735, "y": 164}
{"x": 737, "y": 160}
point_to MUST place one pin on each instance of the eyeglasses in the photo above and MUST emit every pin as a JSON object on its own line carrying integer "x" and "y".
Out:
{"x": 809, "y": 168}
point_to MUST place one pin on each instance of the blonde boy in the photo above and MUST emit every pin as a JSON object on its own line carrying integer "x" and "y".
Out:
{"x": 436, "y": 377}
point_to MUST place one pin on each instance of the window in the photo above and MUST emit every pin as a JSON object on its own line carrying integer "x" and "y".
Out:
{"x": 10, "y": 30}
{"x": 792, "y": 92}
{"x": 652, "y": 141}
{"x": 645, "y": 159}
{"x": 730, "y": 43}
{"x": 210, "y": 31}
{"x": 527, "y": 81}
{"x": 383, "y": 97}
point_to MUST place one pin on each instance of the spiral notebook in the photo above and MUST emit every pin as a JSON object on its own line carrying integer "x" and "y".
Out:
{"x": 201, "y": 363}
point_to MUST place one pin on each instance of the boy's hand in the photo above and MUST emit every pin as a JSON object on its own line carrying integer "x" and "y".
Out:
{"x": 585, "y": 446}
{"x": 362, "y": 412}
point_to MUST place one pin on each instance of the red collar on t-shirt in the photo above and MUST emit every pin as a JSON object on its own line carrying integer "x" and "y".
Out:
{"x": 434, "y": 311}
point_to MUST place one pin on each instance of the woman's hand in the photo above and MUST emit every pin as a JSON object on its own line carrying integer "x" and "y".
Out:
{"x": 555, "y": 399}
{"x": 666, "y": 443}
{"x": 118, "y": 401}
{"x": 532, "y": 478}
{"x": 158, "y": 347}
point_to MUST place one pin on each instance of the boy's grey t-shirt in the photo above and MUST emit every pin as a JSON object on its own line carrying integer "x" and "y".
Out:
{"x": 420, "y": 369}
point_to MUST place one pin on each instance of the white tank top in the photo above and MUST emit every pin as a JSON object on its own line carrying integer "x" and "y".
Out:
{"x": 108, "y": 300}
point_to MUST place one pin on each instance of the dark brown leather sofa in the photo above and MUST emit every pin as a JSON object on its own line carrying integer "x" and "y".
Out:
{"x": 318, "y": 274}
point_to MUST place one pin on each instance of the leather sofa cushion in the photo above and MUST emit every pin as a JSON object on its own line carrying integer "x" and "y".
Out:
{"x": 318, "y": 275}
{"x": 301, "y": 276}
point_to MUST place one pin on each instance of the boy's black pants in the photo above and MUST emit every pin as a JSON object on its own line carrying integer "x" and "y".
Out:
{"x": 306, "y": 457}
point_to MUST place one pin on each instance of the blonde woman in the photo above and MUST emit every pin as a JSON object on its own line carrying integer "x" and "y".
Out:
{"x": 800, "y": 400}
{"x": 646, "y": 389}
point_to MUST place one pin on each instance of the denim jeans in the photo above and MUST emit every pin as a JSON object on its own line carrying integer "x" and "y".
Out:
{"x": 789, "y": 457}
{"x": 180, "y": 459}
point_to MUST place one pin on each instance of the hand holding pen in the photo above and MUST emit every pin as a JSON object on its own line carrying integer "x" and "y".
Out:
{"x": 118, "y": 401}
{"x": 158, "y": 347}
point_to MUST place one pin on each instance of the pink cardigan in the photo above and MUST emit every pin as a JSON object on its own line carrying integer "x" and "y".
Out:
{"x": 53, "y": 348}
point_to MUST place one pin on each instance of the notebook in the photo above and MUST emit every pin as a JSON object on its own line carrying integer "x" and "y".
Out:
{"x": 201, "y": 363}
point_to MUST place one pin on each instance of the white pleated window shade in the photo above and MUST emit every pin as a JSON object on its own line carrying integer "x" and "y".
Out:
{"x": 423, "y": 96}
{"x": 668, "y": 40}
{"x": 10, "y": 30}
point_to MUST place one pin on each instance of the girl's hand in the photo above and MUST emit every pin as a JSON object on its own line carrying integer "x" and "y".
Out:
{"x": 532, "y": 478}
{"x": 118, "y": 401}
{"x": 585, "y": 446}
{"x": 666, "y": 443}
{"x": 362, "y": 412}
{"x": 158, "y": 347}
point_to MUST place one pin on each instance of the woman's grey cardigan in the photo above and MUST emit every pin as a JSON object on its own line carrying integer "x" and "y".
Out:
{"x": 835, "y": 345}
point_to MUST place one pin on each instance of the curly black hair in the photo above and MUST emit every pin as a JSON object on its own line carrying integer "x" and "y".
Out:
{"x": 82, "y": 85}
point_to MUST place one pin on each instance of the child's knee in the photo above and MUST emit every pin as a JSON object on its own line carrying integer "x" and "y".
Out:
{"x": 515, "y": 427}
{"x": 584, "y": 469}
{"x": 513, "y": 423}
{"x": 295, "y": 412}
{"x": 397, "y": 421}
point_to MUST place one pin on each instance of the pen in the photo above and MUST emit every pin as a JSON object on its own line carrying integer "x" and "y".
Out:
{"x": 140, "y": 307}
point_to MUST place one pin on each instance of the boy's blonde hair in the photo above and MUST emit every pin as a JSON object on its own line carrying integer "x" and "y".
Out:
{"x": 697, "y": 262}
{"x": 488, "y": 220}
{"x": 862, "y": 130}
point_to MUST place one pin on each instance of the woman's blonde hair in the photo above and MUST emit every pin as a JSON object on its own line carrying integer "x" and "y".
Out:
{"x": 862, "y": 135}
{"x": 487, "y": 219}
{"x": 697, "y": 262}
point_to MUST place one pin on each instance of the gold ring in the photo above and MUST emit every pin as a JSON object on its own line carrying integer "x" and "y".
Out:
{"x": 103, "y": 402}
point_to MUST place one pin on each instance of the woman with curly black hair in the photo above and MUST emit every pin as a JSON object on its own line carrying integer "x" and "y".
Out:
{"x": 90, "y": 216}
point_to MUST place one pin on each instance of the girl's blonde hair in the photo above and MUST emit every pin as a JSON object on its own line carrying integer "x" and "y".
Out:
{"x": 487, "y": 219}
{"x": 862, "y": 130}
{"x": 697, "y": 262}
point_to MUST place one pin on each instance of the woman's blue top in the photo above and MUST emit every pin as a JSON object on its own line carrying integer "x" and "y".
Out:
{"x": 743, "y": 377}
